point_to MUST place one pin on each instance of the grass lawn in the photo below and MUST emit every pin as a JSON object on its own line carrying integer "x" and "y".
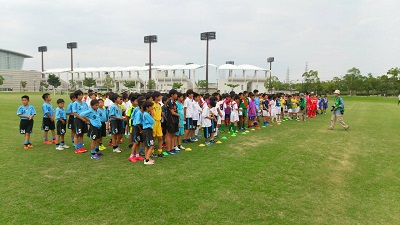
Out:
{"x": 296, "y": 173}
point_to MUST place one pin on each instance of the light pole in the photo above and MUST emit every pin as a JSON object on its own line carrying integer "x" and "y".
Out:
{"x": 71, "y": 46}
{"x": 42, "y": 49}
{"x": 270, "y": 60}
{"x": 206, "y": 36}
{"x": 148, "y": 40}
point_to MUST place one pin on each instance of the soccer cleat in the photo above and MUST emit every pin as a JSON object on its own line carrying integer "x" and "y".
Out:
{"x": 59, "y": 148}
{"x": 182, "y": 148}
{"x": 132, "y": 159}
{"x": 176, "y": 151}
{"x": 154, "y": 155}
{"x": 164, "y": 145}
{"x": 65, "y": 146}
{"x": 99, "y": 153}
{"x": 188, "y": 149}
{"x": 171, "y": 153}
{"x": 161, "y": 155}
{"x": 139, "y": 158}
{"x": 26, "y": 147}
{"x": 149, "y": 162}
{"x": 194, "y": 139}
{"x": 102, "y": 148}
{"x": 209, "y": 143}
{"x": 30, "y": 145}
{"x": 165, "y": 153}
{"x": 80, "y": 150}
{"x": 95, "y": 157}
{"x": 185, "y": 141}
{"x": 117, "y": 150}
{"x": 212, "y": 141}
{"x": 47, "y": 142}
{"x": 110, "y": 143}
{"x": 54, "y": 142}
{"x": 177, "y": 148}
{"x": 346, "y": 128}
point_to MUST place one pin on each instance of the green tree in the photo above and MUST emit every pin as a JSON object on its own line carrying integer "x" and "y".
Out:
{"x": 311, "y": 80}
{"x": 394, "y": 79}
{"x": 89, "y": 82}
{"x": 177, "y": 85}
{"x": 23, "y": 84}
{"x": 232, "y": 86}
{"x": 202, "y": 84}
{"x": 352, "y": 79}
{"x": 54, "y": 81}
{"x": 129, "y": 84}
{"x": 72, "y": 84}
{"x": 275, "y": 83}
{"x": 1, "y": 80}
{"x": 43, "y": 84}
{"x": 150, "y": 84}
{"x": 108, "y": 82}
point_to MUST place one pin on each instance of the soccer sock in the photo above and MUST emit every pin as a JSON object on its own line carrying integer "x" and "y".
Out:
{"x": 62, "y": 143}
{"x": 26, "y": 142}
{"x": 93, "y": 152}
{"x": 101, "y": 144}
{"x": 141, "y": 149}
{"x": 57, "y": 145}
{"x": 45, "y": 139}
{"x": 96, "y": 148}
{"x": 160, "y": 151}
{"x": 216, "y": 131}
{"x": 54, "y": 137}
{"x": 222, "y": 126}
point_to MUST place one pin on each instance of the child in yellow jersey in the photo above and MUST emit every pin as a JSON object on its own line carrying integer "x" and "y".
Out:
{"x": 157, "y": 116}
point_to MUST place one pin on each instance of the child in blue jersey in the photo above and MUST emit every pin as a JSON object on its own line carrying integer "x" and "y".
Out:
{"x": 103, "y": 118}
{"x": 181, "y": 130}
{"x": 325, "y": 104}
{"x": 81, "y": 128}
{"x": 116, "y": 118}
{"x": 26, "y": 113}
{"x": 137, "y": 117}
{"x": 48, "y": 119}
{"x": 91, "y": 116}
{"x": 71, "y": 116}
{"x": 61, "y": 118}
{"x": 148, "y": 123}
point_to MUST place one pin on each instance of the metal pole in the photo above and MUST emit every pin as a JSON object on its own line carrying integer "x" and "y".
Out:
{"x": 270, "y": 78}
{"x": 150, "y": 65}
{"x": 72, "y": 66}
{"x": 207, "y": 66}
{"x": 42, "y": 63}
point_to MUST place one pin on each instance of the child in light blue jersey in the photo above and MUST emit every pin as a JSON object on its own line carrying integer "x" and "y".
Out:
{"x": 26, "y": 113}
{"x": 61, "y": 118}
{"x": 81, "y": 128}
{"x": 148, "y": 123}
{"x": 92, "y": 116}
{"x": 48, "y": 119}
{"x": 103, "y": 118}
{"x": 70, "y": 115}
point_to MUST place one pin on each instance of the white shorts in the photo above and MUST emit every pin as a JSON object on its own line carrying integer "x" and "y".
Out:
{"x": 277, "y": 110}
{"x": 219, "y": 119}
{"x": 291, "y": 110}
{"x": 265, "y": 113}
{"x": 297, "y": 109}
{"x": 234, "y": 117}
{"x": 272, "y": 112}
{"x": 240, "y": 112}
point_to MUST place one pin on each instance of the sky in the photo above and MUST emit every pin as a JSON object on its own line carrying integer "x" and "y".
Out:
{"x": 330, "y": 36}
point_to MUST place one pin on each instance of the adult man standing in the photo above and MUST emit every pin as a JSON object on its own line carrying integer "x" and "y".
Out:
{"x": 338, "y": 111}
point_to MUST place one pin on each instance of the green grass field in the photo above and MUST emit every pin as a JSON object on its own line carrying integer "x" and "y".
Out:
{"x": 296, "y": 173}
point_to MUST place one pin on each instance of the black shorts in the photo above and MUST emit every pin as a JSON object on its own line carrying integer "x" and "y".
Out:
{"x": 80, "y": 127}
{"x": 47, "y": 124}
{"x": 189, "y": 124}
{"x": 25, "y": 126}
{"x": 207, "y": 132}
{"x": 136, "y": 135}
{"x": 172, "y": 127}
{"x": 116, "y": 127}
{"x": 103, "y": 130}
{"x": 94, "y": 133}
{"x": 71, "y": 122}
{"x": 164, "y": 128}
{"x": 148, "y": 137}
{"x": 194, "y": 124}
{"x": 61, "y": 128}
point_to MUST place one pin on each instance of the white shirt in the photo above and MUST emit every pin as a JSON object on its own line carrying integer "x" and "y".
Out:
{"x": 196, "y": 111}
{"x": 108, "y": 103}
{"x": 205, "y": 122}
{"x": 234, "y": 107}
{"x": 188, "y": 104}
{"x": 220, "y": 106}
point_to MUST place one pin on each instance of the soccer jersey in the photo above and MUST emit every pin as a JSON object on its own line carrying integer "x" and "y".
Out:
{"x": 265, "y": 104}
{"x": 179, "y": 107}
{"x": 205, "y": 122}
{"x": 61, "y": 114}
{"x": 257, "y": 102}
{"x": 147, "y": 121}
{"x": 188, "y": 104}
{"x": 79, "y": 107}
{"x": 47, "y": 109}
{"x": 137, "y": 117}
{"x": 69, "y": 108}
{"x": 26, "y": 111}
{"x": 171, "y": 105}
{"x": 115, "y": 110}
{"x": 102, "y": 114}
{"x": 196, "y": 111}
{"x": 220, "y": 106}
{"x": 157, "y": 111}
{"x": 93, "y": 117}
{"x": 294, "y": 103}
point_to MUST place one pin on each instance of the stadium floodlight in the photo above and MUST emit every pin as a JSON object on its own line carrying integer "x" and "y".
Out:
{"x": 42, "y": 49}
{"x": 270, "y": 60}
{"x": 148, "y": 40}
{"x": 230, "y": 62}
{"x": 206, "y": 36}
{"x": 71, "y": 46}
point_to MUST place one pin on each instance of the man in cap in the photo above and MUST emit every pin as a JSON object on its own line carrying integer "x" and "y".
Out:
{"x": 338, "y": 111}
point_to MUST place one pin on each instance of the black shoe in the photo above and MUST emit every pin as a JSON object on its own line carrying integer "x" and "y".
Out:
{"x": 141, "y": 154}
{"x": 154, "y": 155}
{"x": 185, "y": 141}
{"x": 212, "y": 141}
{"x": 130, "y": 145}
{"x": 161, "y": 155}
